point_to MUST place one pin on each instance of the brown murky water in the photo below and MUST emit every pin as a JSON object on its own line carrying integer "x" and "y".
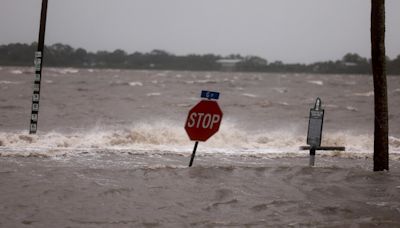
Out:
{"x": 111, "y": 151}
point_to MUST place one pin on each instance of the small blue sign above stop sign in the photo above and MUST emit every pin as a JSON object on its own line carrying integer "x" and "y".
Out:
{"x": 203, "y": 120}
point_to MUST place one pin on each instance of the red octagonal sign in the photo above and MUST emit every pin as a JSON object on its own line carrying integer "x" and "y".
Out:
{"x": 203, "y": 120}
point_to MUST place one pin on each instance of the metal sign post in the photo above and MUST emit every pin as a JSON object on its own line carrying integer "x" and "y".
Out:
{"x": 38, "y": 70}
{"x": 203, "y": 120}
{"x": 193, "y": 153}
{"x": 314, "y": 133}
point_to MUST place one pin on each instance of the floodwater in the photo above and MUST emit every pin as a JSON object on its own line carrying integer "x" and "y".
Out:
{"x": 111, "y": 151}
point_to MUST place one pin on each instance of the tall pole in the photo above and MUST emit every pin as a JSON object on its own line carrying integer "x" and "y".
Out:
{"x": 38, "y": 70}
{"x": 381, "y": 125}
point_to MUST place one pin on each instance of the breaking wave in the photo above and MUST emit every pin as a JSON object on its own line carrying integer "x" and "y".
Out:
{"x": 169, "y": 138}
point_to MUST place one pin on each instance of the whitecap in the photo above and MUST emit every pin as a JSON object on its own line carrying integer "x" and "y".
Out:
{"x": 206, "y": 81}
{"x": 135, "y": 83}
{"x": 283, "y": 103}
{"x": 16, "y": 72}
{"x": 331, "y": 106}
{"x": 394, "y": 142}
{"x": 167, "y": 137}
{"x": 379, "y": 204}
{"x": 68, "y": 71}
{"x": 184, "y": 105}
{"x": 351, "y": 108}
{"x": 316, "y": 82}
{"x": 366, "y": 94}
{"x": 153, "y": 94}
{"x": 228, "y": 80}
{"x": 249, "y": 95}
{"x": 9, "y": 82}
{"x": 162, "y": 74}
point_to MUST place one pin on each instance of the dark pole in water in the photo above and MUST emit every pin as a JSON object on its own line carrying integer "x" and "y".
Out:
{"x": 42, "y": 29}
{"x": 381, "y": 124}
{"x": 312, "y": 156}
{"x": 38, "y": 70}
{"x": 193, "y": 154}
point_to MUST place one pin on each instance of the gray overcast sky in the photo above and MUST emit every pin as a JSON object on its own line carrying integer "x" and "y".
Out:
{"x": 288, "y": 30}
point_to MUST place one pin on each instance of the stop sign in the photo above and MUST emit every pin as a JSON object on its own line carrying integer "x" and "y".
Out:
{"x": 203, "y": 120}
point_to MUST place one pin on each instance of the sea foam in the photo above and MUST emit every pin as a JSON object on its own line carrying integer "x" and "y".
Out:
{"x": 172, "y": 138}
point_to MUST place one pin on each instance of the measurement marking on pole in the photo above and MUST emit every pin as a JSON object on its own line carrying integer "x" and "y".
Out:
{"x": 36, "y": 87}
{"x": 37, "y": 77}
{"x": 34, "y": 117}
{"x": 36, "y": 93}
{"x": 38, "y": 61}
{"x": 35, "y": 107}
{"x": 33, "y": 127}
{"x": 35, "y": 97}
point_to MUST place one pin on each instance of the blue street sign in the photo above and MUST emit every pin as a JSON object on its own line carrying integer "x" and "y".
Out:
{"x": 209, "y": 95}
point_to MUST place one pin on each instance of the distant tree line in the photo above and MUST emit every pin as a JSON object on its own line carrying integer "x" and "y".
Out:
{"x": 61, "y": 55}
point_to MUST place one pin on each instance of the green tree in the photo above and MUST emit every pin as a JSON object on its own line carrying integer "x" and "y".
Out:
{"x": 394, "y": 66}
{"x": 353, "y": 58}
{"x": 80, "y": 57}
{"x": 252, "y": 63}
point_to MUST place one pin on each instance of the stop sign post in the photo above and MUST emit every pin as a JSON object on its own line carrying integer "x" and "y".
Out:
{"x": 203, "y": 120}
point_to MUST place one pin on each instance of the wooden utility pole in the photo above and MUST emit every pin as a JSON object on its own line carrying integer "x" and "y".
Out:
{"x": 38, "y": 70}
{"x": 381, "y": 124}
